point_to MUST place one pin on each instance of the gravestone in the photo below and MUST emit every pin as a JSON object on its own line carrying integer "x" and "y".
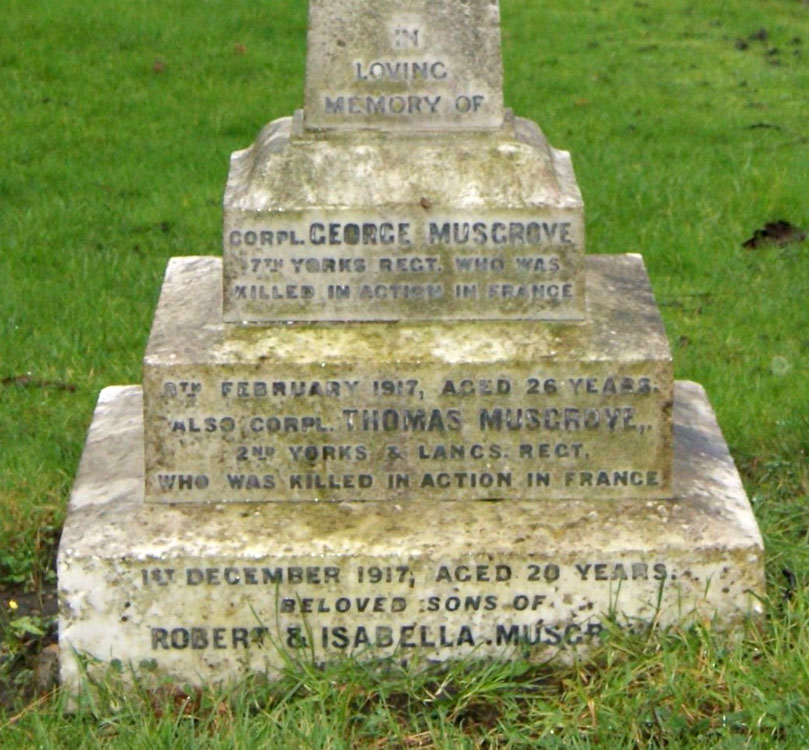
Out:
{"x": 403, "y": 415}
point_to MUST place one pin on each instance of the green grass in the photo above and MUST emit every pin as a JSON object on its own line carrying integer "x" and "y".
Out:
{"x": 117, "y": 120}
{"x": 694, "y": 690}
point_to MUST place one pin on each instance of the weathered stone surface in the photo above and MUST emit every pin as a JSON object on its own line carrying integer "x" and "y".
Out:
{"x": 391, "y": 411}
{"x": 404, "y": 65}
{"x": 208, "y": 593}
{"x": 387, "y": 228}
{"x": 402, "y": 193}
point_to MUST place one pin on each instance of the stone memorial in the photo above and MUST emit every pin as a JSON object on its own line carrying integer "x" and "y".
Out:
{"x": 403, "y": 415}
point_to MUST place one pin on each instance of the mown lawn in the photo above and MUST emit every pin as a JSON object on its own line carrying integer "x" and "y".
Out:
{"x": 688, "y": 128}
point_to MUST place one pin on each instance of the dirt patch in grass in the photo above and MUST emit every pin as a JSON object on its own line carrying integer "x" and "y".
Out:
{"x": 38, "y": 603}
{"x": 28, "y": 638}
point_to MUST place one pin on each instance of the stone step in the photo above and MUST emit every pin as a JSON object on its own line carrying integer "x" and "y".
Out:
{"x": 366, "y": 227}
{"x": 374, "y": 411}
{"x": 210, "y": 593}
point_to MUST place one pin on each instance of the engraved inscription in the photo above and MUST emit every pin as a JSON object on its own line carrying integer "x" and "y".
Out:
{"x": 438, "y": 435}
{"x": 406, "y": 71}
{"x": 507, "y": 265}
{"x": 393, "y": 605}
{"x": 435, "y": 69}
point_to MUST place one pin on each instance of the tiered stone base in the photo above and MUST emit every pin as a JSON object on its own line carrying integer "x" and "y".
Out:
{"x": 209, "y": 593}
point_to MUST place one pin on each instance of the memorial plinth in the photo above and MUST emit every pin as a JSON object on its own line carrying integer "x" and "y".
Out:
{"x": 448, "y": 411}
{"x": 205, "y": 594}
{"x": 367, "y": 226}
{"x": 404, "y": 190}
{"x": 404, "y": 415}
